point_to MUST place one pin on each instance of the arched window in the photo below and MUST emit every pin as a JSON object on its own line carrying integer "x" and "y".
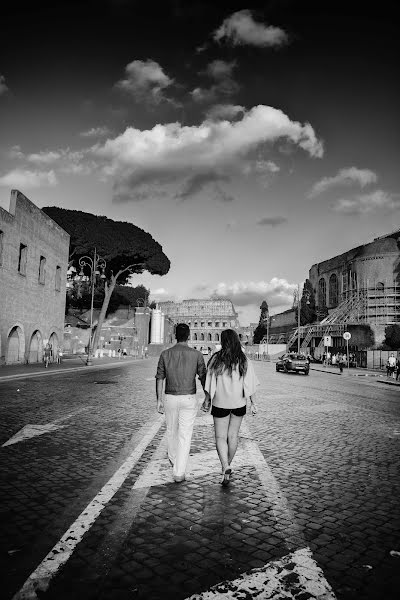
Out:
{"x": 322, "y": 293}
{"x": 209, "y": 339}
{"x": 380, "y": 286}
{"x": 202, "y": 337}
{"x": 333, "y": 290}
{"x": 217, "y": 337}
{"x": 195, "y": 324}
{"x": 195, "y": 337}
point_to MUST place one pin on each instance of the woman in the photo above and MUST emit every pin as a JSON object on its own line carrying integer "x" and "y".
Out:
{"x": 230, "y": 381}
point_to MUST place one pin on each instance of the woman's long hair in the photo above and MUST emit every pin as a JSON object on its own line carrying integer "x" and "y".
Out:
{"x": 230, "y": 355}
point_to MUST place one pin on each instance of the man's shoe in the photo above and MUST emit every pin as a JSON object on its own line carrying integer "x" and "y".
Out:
{"x": 179, "y": 478}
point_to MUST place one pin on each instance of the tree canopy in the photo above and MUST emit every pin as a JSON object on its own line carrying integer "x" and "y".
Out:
{"x": 125, "y": 247}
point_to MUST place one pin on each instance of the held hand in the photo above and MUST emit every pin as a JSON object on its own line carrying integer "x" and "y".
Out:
{"x": 205, "y": 407}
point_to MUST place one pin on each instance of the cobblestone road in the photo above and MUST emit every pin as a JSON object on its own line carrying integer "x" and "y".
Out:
{"x": 89, "y": 510}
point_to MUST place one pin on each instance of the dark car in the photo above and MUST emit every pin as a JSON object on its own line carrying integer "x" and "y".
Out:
{"x": 291, "y": 361}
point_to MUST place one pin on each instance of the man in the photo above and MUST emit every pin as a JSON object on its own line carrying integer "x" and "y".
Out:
{"x": 392, "y": 365}
{"x": 179, "y": 366}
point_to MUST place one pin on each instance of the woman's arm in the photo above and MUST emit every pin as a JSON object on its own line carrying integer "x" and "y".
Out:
{"x": 253, "y": 405}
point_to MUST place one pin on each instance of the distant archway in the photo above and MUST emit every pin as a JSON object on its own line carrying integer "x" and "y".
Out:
{"x": 35, "y": 353}
{"x": 15, "y": 346}
{"x": 322, "y": 293}
{"x": 53, "y": 341}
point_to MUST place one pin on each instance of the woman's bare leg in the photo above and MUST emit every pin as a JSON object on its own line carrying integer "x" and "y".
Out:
{"x": 233, "y": 436}
{"x": 221, "y": 425}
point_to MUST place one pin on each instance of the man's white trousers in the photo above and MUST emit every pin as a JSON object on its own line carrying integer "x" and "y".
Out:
{"x": 180, "y": 413}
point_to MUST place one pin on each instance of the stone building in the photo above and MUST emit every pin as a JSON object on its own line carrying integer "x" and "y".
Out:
{"x": 206, "y": 319}
{"x": 33, "y": 268}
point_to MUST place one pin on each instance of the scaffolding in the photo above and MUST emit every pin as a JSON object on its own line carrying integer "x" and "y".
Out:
{"x": 376, "y": 304}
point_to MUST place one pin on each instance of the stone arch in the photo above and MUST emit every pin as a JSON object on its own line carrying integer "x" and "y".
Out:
{"x": 216, "y": 337}
{"x": 202, "y": 337}
{"x": 35, "y": 352}
{"x": 15, "y": 350}
{"x": 333, "y": 290}
{"x": 53, "y": 341}
{"x": 195, "y": 337}
{"x": 209, "y": 337}
{"x": 322, "y": 293}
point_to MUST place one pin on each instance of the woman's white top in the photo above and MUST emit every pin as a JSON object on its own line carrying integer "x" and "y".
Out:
{"x": 231, "y": 391}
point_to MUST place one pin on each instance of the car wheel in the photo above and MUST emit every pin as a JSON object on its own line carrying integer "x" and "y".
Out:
{"x": 277, "y": 368}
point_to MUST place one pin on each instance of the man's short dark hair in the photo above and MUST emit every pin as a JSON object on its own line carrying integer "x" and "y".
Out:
{"x": 182, "y": 332}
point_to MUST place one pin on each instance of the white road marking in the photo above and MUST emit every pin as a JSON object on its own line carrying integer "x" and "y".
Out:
{"x": 30, "y": 430}
{"x": 285, "y": 519}
{"x": 287, "y": 578}
{"x": 40, "y": 579}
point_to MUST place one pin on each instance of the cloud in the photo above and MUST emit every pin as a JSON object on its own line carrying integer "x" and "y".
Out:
{"x": 194, "y": 185}
{"x": 167, "y": 153}
{"x": 96, "y": 132}
{"x": 241, "y": 29}
{"x": 145, "y": 80}
{"x": 344, "y": 177}
{"x": 224, "y": 111}
{"x": 378, "y": 201}
{"x": 3, "y": 87}
{"x": 221, "y": 72}
{"x": 272, "y": 221}
{"x": 22, "y": 179}
{"x": 277, "y": 292}
{"x": 64, "y": 160}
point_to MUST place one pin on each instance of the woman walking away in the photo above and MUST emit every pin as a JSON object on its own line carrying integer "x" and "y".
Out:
{"x": 230, "y": 381}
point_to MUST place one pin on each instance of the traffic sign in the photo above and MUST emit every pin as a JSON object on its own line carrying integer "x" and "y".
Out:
{"x": 347, "y": 335}
{"x": 327, "y": 340}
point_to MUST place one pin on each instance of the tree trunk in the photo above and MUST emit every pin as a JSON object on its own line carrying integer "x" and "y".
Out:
{"x": 108, "y": 290}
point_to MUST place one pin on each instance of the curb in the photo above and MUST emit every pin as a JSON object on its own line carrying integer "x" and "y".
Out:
{"x": 390, "y": 383}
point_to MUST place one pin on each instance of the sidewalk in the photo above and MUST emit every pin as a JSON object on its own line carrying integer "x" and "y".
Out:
{"x": 74, "y": 363}
{"x": 380, "y": 375}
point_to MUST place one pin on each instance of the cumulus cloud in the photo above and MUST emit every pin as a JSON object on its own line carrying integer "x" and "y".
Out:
{"x": 194, "y": 185}
{"x": 272, "y": 221}
{"x": 167, "y": 153}
{"x": 278, "y": 292}
{"x": 3, "y": 87}
{"x": 378, "y": 201}
{"x": 96, "y": 132}
{"x": 241, "y": 29}
{"x": 221, "y": 72}
{"x": 345, "y": 177}
{"x": 64, "y": 160}
{"x": 22, "y": 179}
{"x": 145, "y": 80}
{"x": 224, "y": 111}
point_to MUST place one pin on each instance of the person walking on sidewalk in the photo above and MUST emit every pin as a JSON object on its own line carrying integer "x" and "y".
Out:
{"x": 230, "y": 381}
{"x": 179, "y": 366}
{"x": 392, "y": 365}
{"x": 342, "y": 361}
{"x": 47, "y": 355}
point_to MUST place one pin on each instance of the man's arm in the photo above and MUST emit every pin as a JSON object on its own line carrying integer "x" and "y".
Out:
{"x": 159, "y": 395}
{"x": 160, "y": 376}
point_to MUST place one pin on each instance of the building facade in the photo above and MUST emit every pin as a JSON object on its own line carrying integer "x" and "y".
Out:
{"x": 206, "y": 320}
{"x": 33, "y": 271}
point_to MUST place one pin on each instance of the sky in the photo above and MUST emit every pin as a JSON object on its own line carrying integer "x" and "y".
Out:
{"x": 250, "y": 140}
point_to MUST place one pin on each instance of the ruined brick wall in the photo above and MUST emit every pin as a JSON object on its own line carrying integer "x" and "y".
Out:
{"x": 32, "y": 299}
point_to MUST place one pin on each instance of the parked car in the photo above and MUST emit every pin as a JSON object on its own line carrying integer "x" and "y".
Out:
{"x": 291, "y": 361}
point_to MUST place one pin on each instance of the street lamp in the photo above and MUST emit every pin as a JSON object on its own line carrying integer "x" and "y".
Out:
{"x": 97, "y": 266}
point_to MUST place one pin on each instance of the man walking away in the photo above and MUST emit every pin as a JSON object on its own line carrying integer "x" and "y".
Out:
{"x": 179, "y": 366}
{"x": 392, "y": 365}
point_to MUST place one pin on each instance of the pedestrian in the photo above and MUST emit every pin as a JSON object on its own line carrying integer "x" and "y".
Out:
{"x": 119, "y": 353}
{"x": 334, "y": 360}
{"x": 230, "y": 381}
{"x": 124, "y": 353}
{"x": 392, "y": 365}
{"x": 58, "y": 355}
{"x": 179, "y": 366}
{"x": 342, "y": 362}
{"x": 397, "y": 368}
{"x": 47, "y": 354}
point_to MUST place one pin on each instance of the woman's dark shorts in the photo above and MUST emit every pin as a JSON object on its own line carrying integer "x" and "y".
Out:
{"x": 224, "y": 412}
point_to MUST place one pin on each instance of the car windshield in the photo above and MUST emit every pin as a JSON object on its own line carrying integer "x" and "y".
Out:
{"x": 297, "y": 356}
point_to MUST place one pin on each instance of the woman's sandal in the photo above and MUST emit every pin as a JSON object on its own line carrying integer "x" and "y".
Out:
{"x": 226, "y": 476}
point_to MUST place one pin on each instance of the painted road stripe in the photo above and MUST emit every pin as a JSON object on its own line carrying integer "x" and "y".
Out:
{"x": 284, "y": 516}
{"x": 40, "y": 579}
{"x": 31, "y": 430}
{"x": 288, "y": 578}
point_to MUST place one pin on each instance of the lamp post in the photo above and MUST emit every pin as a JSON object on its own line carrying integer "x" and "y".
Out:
{"x": 97, "y": 266}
